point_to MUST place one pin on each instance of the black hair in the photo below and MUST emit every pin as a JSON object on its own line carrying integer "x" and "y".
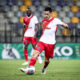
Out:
{"x": 48, "y": 9}
{"x": 28, "y": 8}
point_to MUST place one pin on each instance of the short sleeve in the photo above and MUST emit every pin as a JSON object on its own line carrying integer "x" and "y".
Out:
{"x": 35, "y": 19}
{"x": 58, "y": 21}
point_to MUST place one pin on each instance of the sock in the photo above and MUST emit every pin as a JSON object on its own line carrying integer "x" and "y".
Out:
{"x": 46, "y": 64}
{"x": 26, "y": 54}
{"x": 32, "y": 61}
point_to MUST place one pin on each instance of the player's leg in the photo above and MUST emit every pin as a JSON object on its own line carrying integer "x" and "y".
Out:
{"x": 26, "y": 51}
{"x": 26, "y": 43}
{"x": 34, "y": 58}
{"x": 48, "y": 54}
{"x": 32, "y": 61}
{"x": 34, "y": 42}
{"x": 38, "y": 49}
{"x": 39, "y": 57}
{"x": 25, "y": 54}
{"x": 46, "y": 62}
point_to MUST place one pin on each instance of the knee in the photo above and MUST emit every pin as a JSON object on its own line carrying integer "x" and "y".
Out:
{"x": 35, "y": 53}
{"x": 26, "y": 46}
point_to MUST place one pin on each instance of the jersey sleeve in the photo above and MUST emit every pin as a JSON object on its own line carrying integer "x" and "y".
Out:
{"x": 36, "y": 20}
{"x": 58, "y": 21}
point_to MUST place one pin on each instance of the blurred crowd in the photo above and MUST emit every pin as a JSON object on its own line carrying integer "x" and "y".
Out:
{"x": 13, "y": 11}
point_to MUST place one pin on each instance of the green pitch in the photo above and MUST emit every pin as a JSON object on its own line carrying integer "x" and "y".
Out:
{"x": 57, "y": 70}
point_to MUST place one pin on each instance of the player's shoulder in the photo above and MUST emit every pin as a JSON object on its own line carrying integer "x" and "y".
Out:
{"x": 56, "y": 19}
{"x": 34, "y": 16}
{"x": 25, "y": 17}
{"x": 44, "y": 19}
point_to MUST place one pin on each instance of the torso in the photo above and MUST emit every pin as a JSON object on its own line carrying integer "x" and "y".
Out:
{"x": 49, "y": 34}
{"x": 30, "y": 31}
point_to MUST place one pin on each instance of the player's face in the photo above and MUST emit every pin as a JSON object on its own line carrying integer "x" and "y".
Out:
{"x": 47, "y": 14}
{"x": 28, "y": 12}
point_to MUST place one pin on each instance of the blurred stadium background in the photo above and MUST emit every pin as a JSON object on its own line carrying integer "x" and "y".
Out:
{"x": 13, "y": 11}
{"x": 11, "y": 26}
{"x": 68, "y": 41}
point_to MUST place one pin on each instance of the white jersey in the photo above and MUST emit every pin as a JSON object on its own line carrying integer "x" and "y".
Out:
{"x": 49, "y": 35}
{"x": 30, "y": 32}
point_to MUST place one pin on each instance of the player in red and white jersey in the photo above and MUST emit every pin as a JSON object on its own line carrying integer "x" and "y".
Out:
{"x": 47, "y": 40}
{"x": 30, "y": 30}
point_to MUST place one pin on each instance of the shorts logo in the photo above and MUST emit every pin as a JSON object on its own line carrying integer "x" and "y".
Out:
{"x": 38, "y": 47}
{"x": 25, "y": 40}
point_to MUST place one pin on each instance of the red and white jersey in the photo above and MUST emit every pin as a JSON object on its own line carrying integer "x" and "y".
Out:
{"x": 30, "y": 31}
{"x": 49, "y": 33}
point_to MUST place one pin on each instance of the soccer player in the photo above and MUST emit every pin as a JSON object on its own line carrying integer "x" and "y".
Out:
{"x": 29, "y": 33}
{"x": 47, "y": 40}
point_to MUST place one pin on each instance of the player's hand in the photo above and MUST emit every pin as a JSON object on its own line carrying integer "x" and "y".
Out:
{"x": 66, "y": 25}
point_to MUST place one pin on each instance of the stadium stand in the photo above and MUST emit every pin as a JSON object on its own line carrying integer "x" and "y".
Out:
{"x": 13, "y": 11}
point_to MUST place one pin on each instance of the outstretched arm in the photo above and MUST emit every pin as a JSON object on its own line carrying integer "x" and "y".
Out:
{"x": 65, "y": 25}
{"x": 59, "y": 22}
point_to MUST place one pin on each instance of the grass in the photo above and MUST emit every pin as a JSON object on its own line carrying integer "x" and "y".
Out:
{"x": 57, "y": 70}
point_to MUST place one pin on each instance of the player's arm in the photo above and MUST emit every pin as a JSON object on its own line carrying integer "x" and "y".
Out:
{"x": 59, "y": 22}
{"x": 65, "y": 25}
{"x": 36, "y": 26}
{"x": 36, "y": 29}
{"x": 23, "y": 28}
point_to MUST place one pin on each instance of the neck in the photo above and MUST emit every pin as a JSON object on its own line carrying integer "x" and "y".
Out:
{"x": 49, "y": 18}
{"x": 29, "y": 15}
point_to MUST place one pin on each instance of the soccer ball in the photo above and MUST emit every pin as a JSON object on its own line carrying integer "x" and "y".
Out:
{"x": 30, "y": 70}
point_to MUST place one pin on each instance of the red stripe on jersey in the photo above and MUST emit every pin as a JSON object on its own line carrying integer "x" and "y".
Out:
{"x": 45, "y": 23}
{"x": 26, "y": 21}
